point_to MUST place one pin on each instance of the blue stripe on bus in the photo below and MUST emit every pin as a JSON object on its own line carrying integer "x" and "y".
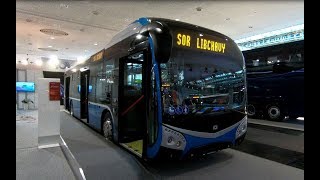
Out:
{"x": 152, "y": 151}
{"x": 143, "y": 21}
{"x": 193, "y": 141}
{"x": 76, "y": 108}
{"x": 94, "y": 114}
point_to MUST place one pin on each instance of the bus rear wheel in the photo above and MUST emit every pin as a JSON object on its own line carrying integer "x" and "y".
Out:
{"x": 274, "y": 113}
{"x": 107, "y": 127}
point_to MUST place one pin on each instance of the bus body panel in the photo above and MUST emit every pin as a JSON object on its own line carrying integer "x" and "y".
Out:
{"x": 153, "y": 150}
{"x": 95, "y": 112}
{"x": 76, "y": 107}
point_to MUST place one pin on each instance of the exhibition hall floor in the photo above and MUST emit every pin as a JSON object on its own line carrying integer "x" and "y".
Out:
{"x": 102, "y": 159}
{"x": 33, "y": 163}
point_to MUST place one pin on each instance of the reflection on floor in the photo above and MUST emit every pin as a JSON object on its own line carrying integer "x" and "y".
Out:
{"x": 135, "y": 146}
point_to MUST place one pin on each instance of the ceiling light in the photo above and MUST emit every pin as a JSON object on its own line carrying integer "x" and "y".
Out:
{"x": 139, "y": 36}
{"x": 38, "y": 62}
{"x": 227, "y": 19}
{"x": 50, "y": 46}
{"x": 83, "y": 69}
{"x": 201, "y": 35}
{"x": 250, "y": 27}
{"x": 24, "y": 62}
{"x": 85, "y": 50}
{"x": 53, "y": 61}
{"x": 95, "y": 44}
{"x": 177, "y": 19}
{"x": 51, "y": 37}
{"x": 80, "y": 59}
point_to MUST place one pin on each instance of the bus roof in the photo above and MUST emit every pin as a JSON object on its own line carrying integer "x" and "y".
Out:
{"x": 137, "y": 25}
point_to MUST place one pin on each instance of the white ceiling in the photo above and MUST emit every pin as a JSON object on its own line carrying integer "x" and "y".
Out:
{"x": 90, "y": 22}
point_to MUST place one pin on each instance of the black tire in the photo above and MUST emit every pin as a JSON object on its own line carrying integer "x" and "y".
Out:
{"x": 107, "y": 126}
{"x": 275, "y": 113}
{"x": 251, "y": 110}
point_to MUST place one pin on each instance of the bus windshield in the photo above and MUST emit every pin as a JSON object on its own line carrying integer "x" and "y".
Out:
{"x": 202, "y": 83}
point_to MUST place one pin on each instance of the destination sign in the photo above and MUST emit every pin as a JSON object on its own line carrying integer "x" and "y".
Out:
{"x": 189, "y": 40}
{"x": 97, "y": 57}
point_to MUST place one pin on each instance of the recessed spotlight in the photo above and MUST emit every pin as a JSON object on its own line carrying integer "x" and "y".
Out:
{"x": 199, "y": 8}
{"x": 95, "y": 44}
{"x": 250, "y": 27}
{"x": 38, "y": 62}
{"x": 30, "y": 43}
{"x": 82, "y": 30}
{"x": 95, "y": 12}
{"x": 85, "y": 50}
{"x": 64, "y": 5}
{"x": 227, "y": 19}
{"x": 29, "y": 20}
{"x": 177, "y": 19}
{"x": 67, "y": 48}
{"x": 50, "y": 46}
{"x": 51, "y": 37}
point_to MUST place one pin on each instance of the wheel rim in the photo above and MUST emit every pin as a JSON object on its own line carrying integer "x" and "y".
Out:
{"x": 251, "y": 110}
{"x": 107, "y": 128}
{"x": 274, "y": 112}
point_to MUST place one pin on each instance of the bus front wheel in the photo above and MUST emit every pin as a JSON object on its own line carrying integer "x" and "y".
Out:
{"x": 107, "y": 127}
{"x": 274, "y": 113}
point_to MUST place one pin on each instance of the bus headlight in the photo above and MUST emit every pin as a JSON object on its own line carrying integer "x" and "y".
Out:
{"x": 178, "y": 143}
{"x": 172, "y": 139}
{"x": 242, "y": 128}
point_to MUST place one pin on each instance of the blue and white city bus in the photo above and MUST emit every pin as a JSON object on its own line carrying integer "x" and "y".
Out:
{"x": 163, "y": 88}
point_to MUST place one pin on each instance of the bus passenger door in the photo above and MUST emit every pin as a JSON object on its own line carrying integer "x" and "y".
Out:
{"x": 84, "y": 86}
{"x": 66, "y": 93}
{"x": 132, "y": 102}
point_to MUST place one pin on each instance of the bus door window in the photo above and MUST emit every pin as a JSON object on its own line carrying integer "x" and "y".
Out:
{"x": 132, "y": 110}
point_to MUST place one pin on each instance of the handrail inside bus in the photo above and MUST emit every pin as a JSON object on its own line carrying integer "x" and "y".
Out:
{"x": 130, "y": 107}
